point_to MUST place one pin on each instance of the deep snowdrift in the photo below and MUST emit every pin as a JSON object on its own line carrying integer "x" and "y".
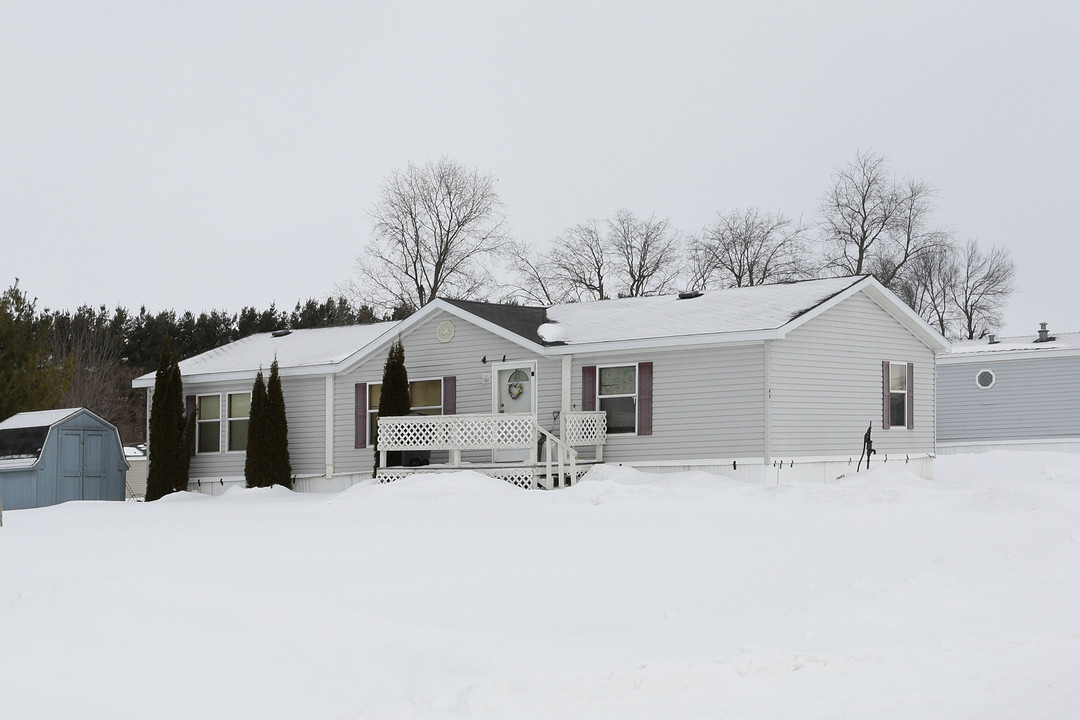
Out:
{"x": 879, "y": 595}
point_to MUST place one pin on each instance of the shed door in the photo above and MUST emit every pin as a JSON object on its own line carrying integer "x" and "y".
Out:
{"x": 93, "y": 480}
{"x": 82, "y": 466}
{"x": 71, "y": 466}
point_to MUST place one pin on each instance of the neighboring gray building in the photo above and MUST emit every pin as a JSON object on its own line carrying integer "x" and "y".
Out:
{"x": 54, "y": 456}
{"x": 760, "y": 383}
{"x": 1018, "y": 393}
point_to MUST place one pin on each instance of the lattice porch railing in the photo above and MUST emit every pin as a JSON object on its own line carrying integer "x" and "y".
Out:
{"x": 495, "y": 431}
{"x": 585, "y": 428}
{"x": 503, "y": 431}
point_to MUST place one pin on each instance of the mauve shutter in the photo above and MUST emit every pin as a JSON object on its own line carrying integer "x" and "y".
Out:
{"x": 588, "y": 387}
{"x": 449, "y": 395}
{"x": 885, "y": 394}
{"x": 189, "y": 407}
{"x": 360, "y": 416}
{"x": 911, "y": 396}
{"x": 644, "y": 398}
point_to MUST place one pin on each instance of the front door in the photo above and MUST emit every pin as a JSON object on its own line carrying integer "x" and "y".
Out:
{"x": 513, "y": 391}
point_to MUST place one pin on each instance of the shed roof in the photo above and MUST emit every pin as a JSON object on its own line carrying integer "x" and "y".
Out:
{"x": 22, "y": 436}
{"x": 37, "y": 418}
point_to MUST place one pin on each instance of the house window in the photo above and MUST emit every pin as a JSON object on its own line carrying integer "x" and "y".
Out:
{"x": 426, "y": 398}
{"x": 985, "y": 379}
{"x": 239, "y": 408}
{"x": 208, "y": 424}
{"x": 898, "y": 394}
{"x": 616, "y": 394}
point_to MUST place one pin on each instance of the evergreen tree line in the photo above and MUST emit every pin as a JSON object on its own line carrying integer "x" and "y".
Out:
{"x": 88, "y": 357}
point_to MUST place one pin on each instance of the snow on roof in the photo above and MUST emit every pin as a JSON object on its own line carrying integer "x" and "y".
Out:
{"x": 762, "y": 307}
{"x": 1020, "y": 343}
{"x": 40, "y": 418}
{"x": 296, "y": 349}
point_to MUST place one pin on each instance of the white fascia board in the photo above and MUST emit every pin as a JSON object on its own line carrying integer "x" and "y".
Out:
{"x": 248, "y": 374}
{"x": 988, "y": 355}
{"x": 900, "y": 310}
{"x": 669, "y": 343}
{"x": 888, "y": 302}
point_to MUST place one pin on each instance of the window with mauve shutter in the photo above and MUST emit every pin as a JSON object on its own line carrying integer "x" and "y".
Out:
{"x": 360, "y": 416}
{"x": 645, "y": 398}
{"x": 588, "y": 388}
{"x": 449, "y": 390}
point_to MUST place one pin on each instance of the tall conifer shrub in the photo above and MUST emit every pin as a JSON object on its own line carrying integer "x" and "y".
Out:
{"x": 169, "y": 453}
{"x": 257, "y": 461}
{"x": 394, "y": 398}
{"x": 277, "y": 431}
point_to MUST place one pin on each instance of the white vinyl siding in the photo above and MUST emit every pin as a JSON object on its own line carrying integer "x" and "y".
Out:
{"x": 305, "y": 401}
{"x": 826, "y": 384}
{"x": 708, "y": 403}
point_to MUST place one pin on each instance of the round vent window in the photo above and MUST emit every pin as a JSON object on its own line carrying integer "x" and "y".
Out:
{"x": 985, "y": 379}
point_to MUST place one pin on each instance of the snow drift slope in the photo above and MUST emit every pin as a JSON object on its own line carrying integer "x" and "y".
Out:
{"x": 629, "y": 596}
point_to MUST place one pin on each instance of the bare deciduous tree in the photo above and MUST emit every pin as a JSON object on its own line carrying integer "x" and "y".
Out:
{"x": 749, "y": 247}
{"x": 580, "y": 261}
{"x": 623, "y": 256}
{"x": 434, "y": 227}
{"x": 93, "y": 340}
{"x": 536, "y": 278}
{"x": 646, "y": 253}
{"x": 873, "y": 224}
{"x": 960, "y": 291}
{"x": 927, "y": 288}
{"x": 984, "y": 282}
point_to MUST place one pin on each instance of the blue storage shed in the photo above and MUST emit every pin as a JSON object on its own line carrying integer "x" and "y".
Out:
{"x": 54, "y": 456}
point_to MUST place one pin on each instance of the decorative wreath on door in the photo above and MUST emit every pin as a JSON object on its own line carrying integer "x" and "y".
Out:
{"x": 515, "y": 389}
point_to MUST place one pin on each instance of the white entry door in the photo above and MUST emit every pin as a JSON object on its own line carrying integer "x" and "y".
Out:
{"x": 513, "y": 390}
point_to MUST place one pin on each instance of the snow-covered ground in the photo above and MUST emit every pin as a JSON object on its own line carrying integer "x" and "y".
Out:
{"x": 629, "y": 596}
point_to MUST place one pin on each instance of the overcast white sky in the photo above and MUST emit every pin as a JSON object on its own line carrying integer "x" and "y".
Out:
{"x": 203, "y": 155}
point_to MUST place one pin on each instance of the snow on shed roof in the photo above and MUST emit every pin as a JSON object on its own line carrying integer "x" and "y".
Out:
{"x": 733, "y": 310}
{"x": 312, "y": 347}
{"x": 40, "y": 418}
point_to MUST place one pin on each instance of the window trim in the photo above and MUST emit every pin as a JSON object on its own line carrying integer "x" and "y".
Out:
{"x": 199, "y": 424}
{"x": 372, "y": 413}
{"x": 993, "y": 379}
{"x": 908, "y": 394}
{"x": 634, "y": 395}
{"x": 229, "y": 420}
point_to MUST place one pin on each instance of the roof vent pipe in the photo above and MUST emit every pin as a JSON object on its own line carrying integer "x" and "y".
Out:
{"x": 993, "y": 339}
{"x": 1044, "y": 334}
